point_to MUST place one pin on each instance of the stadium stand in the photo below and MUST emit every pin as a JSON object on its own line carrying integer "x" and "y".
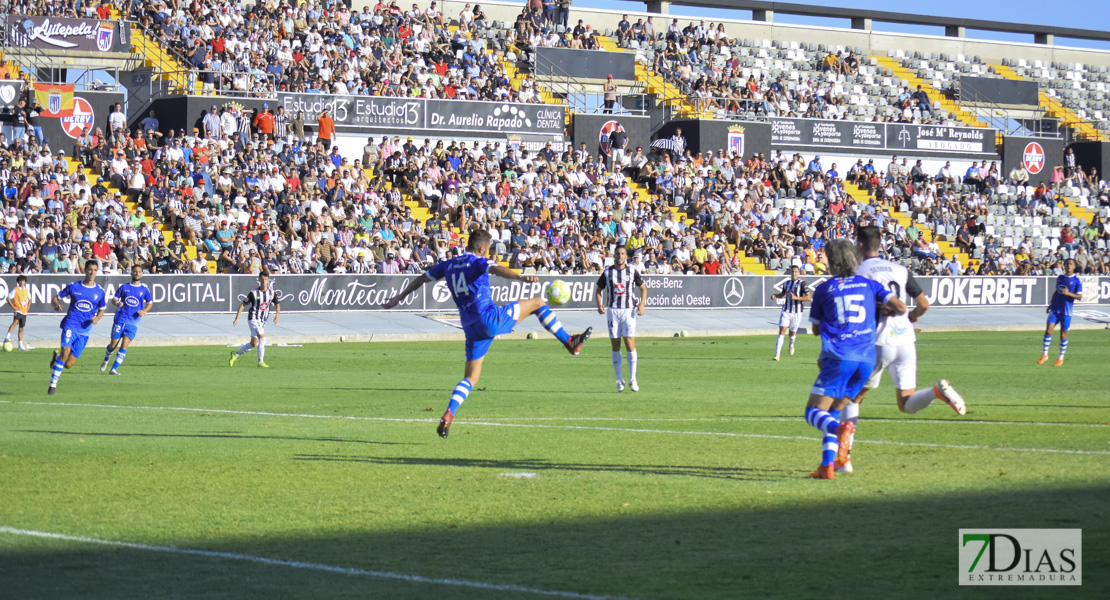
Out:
{"x": 235, "y": 199}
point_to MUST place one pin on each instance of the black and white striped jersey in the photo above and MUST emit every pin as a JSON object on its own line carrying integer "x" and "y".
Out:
{"x": 281, "y": 126}
{"x": 794, "y": 288}
{"x": 620, "y": 285}
{"x": 259, "y": 302}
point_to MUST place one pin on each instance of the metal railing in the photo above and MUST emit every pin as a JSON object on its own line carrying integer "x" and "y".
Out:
{"x": 1007, "y": 121}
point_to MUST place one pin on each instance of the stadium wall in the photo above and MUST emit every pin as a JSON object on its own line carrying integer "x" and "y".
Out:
{"x": 91, "y": 110}
{"x": 588, "y": 127}
{"x": 1036, "y": 153}
{"x": 193, "y": 294}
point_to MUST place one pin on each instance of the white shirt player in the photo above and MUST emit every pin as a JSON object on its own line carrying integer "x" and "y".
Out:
{"x": 893, "y": 330}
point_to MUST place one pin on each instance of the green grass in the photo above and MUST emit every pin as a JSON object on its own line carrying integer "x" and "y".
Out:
{"x": 639, "y": 505}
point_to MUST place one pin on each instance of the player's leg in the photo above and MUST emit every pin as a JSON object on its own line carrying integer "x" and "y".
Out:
{"x": 261, "y": 345}
{"x": 615, "y": 344}
{"x": 12, "y": 327}
{"x": 113, "y": 343}
{"x": 550, "y": 322}
{"x": 795, "y": 321}
{"x": 630, "y": 346}
{"x": 782, "y": 334}
{"x": 1047, "y": 337}
{"x": 472, "y": 372}
{"x": 19, "y": 335}
{"x": 121, "y": 355}
{"x": 830, "y": 386}
{"x": 1065, "y": 327}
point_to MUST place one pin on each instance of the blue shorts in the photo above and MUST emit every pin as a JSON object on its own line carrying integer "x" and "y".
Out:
{"x": 841, "y": 378}
{"x": 128, "y": 330}
{"x": 74, "y": 341}
{"x": 1058, "y": 317}
{"x": 493, "y": 323}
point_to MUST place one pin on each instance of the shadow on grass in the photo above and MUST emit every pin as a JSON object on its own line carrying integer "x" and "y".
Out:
{"x": 230, "y": 436}
{"x": 831, "y": 547}
{"x": 539, "y": 464}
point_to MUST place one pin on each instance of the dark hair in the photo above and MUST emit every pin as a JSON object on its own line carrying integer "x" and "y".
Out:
{"x": 478, "y": 238}
{"x": 91, "y": 262}
{"x": 21, "y": 279}
{"x": 870, "y": 238}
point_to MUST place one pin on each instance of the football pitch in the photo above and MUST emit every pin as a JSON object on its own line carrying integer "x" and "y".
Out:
{"x": 322, "y": 477}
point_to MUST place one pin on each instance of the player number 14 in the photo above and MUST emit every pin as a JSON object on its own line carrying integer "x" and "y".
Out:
{"x": 849, "y": 309}
{"x": 458, "y": 284}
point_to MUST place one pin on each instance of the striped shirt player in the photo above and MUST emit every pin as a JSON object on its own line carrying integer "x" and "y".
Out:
{"x": 615, "y": 300}
{"x": 794, "y": 294}
{"x": 281, "y": 125}
{"x": 258, "y": 303}
{"x": 895, "y": 349}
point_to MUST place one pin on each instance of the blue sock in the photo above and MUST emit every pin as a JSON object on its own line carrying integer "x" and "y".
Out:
{"x": 462, "y": 390}
{"x": 551, "y": 323}
{"x": 58, "y": 366}
{"x": 829, "y": 443}
{"x": 1063, "y": 347}
{"x": 1047, "y": 342}
{"x": 122, "y": 354}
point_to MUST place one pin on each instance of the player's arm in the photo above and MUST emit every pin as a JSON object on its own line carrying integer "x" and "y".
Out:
{"x": 1076, "y": 295}
{"x": 598, "y": 295}
{"x": 100, "y": 312}
{"x": 921, "y": 303}
{"x": 146, "y": 308}
{"x": 894, "y": 303}
{"x": 639, "y": 282}
{"x": 56, "y": 301}
{"x": 239, "y": 312}
{"x": 277, "y": 309}
{"x": 806, "y": 295}
{"x": 413, "y": 285}
{"x": 507, "y": 273}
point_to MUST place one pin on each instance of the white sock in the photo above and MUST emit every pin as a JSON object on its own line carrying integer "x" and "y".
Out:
{"x": 632, "y": 365}
{"x": 792, "y": 336}
{"x": 7, "y": 336}
{"x": 617, "y": 365}
{"x": 243, "y": 349}
{"x": 851, "y": 413}
{"x": 261, "y": 349}
{"x": 919, "y": 400}
{"x": 778, "y": 345}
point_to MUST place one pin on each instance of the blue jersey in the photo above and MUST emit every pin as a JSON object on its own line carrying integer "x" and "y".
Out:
{"x": 844, "y": 308}
{"x": 84, "y": 303}
{"x": 467, "y": 278}
{"x": 132, "y": 297}
{"x": 1062, "y": 304}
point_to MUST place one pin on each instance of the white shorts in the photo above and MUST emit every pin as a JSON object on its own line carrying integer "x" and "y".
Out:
{"x": 622, "y": 322}
{"x": 791, "y": 321}
{"x": 900, "y": 361}
{"x": 258, "y": 328}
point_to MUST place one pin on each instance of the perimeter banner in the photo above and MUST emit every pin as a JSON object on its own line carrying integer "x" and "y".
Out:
{"x": 317, "y": 293}
{"x": 893, "y": 137}
{"x": 75, "y": 35}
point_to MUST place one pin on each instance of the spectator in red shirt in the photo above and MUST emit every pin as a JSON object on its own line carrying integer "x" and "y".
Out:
{"x": 264, "y": 121}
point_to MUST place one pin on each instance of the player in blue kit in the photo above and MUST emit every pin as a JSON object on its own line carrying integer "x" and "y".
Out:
{"x": 1068, "y": 290}
{"x": 133, "y": 301}
{"x": 86, "y": 306}
{"x": 843, "y": 315}
{"x": 467, "y": 278}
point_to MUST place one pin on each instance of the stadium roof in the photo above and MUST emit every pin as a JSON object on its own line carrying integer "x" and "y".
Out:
{"x": 812, "y": 10}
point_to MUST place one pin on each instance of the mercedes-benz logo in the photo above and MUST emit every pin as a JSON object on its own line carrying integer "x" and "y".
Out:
{"x": 734, "y": 291}
{"x": 3, "y": 289}
{"x": 440, "y": 292}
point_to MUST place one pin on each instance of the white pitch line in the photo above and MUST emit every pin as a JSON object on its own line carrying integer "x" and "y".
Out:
{"x": 791, "y": 420}
{"x": 564, "y": 427}
{"x": 277, "y": 562}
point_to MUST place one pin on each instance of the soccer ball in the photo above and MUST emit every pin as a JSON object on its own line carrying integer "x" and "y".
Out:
{"x": 558, "y": 292}
{"x": 8, "y": 346}
{"x": 532, "y": 335}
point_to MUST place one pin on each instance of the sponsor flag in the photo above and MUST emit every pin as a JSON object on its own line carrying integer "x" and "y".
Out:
{"x": 55, "y": 99}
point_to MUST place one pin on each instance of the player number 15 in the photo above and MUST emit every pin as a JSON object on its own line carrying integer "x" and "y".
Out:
{"x": 849, "y": 309}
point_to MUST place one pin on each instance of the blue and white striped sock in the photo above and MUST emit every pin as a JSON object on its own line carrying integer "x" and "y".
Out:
{"x": 58, "y": 366}
{"x": 551, "y": 323}
{"x": 1047, "y": 343}
{"x": 462, "y": 390}
{"x": 1063, "y": 347}
{"x": 822, "y": 420}
{"x": 108, "y": 352}
{"x": 122, "y": 354}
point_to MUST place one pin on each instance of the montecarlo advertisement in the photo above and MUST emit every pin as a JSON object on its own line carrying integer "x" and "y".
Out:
{"x": 75, "y": 35}
{"x": 886, "y": 137}
{"x": 420, "y": 114}
{"x": 313, "y": 293}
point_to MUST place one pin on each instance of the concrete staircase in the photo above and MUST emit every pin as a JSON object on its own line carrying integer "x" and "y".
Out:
{"x": 913, "y": 81}
{"x": 946, "y": 247}
{"x": 166, "y": 67}
{"x": 1083, "y": 128}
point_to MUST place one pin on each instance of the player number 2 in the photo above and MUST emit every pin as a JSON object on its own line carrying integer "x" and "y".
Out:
{"x": 458, "y": 284}
{"x": 849, "y": 309}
